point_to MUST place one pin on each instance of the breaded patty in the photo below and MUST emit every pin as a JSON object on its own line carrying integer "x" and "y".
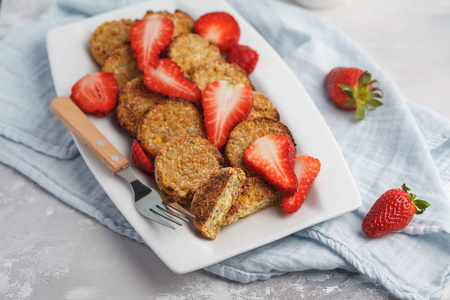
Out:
{"x": 214, "y": 198}
{"x": 183, "y": 164}
{"x": 122, "y": 63}
{"x": 134, "y": 99}
{"x": 245, "y": 133}
{"x": 216, "y": 70}
{"x": 255, "y": 195}
{"x": 166, "y": 120}
{"x": 262, "y": 107}
{"x": 182, "y": 22}
{"x": 108, "y": 36}
{"x": 190, "y": 50}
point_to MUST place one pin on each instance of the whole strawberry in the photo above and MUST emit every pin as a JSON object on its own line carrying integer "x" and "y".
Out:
{"x": 351, "y": 88}
{"x": 392, "y": 212}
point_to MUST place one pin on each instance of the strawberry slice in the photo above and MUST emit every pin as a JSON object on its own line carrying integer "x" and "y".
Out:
{"x": 273, "y": 158}
{"x": 140, "y": 159}
{"x": 96, "y": 93}
{"x": 219, "y": 28}
{"x": 306, "y": 168}
{"x": 224, "y": 106}
{"x": 148, "y": 37}
{"x": 166, "y": 77}
{"x": 243, "y": 56}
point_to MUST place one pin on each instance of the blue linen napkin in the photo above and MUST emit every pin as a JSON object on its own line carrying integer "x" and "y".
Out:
{"x": 399, "y": 142}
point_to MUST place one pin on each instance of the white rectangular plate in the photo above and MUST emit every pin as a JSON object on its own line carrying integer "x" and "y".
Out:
{"x": 184, "y": 250}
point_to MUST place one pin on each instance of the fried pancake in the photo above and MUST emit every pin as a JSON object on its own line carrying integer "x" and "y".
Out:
{"x": 134, "y": 99}
{"x": 245, "y": 133}
{"x": 183, "y": 164}
{"x": 216, "y": 70}
{"x": 255, "y": 195}
{"x": 182, "y": 22}
{"x": 166, "y": 120}
{"x": 190, "y": 50}
{"x": 108, "y": 36}
{"x": 214, "y": 198}
{"x": 262, "y": 107}
{"x": 122, "y": 63}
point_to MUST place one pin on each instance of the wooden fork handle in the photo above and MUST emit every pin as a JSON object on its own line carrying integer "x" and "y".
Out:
{"x": 78, "y": 123}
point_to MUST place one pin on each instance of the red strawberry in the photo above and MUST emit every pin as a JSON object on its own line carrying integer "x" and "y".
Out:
{"x": 224, "y": 106}
{"x": 273, "y": 158}
{"x": 392, "y": 211}
{"x": 140, "y": 159}
{"x": 148, "y": 37}
{"x": 351, "y": 88}
{"x": 219, "y": 28}
{"x": 166, "y": 77}
{"x": 244, "y": 56}
{"x": 96, "y": 93}
{"x": 306, "y": 169}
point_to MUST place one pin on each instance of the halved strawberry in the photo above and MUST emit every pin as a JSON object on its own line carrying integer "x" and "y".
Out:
{"x": 219, "y": 28}
{"x": 224, "y": 106}
{"x": 96, "y": 93}
{"x": 273, "y": 158}
{"x": 140, "y": 159}
{"x": 166, "y": 77}
{"x": 243, "y": 56}
{"x": 306, "y": 169}
{"x": 148, "y": 37}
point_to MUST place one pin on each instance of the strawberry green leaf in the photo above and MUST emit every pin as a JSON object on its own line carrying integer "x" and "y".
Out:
{"x": 374, "y": 102}
{"x": 364, "y": 79}
{"x": 421, "y": 206}
{"x": 373, "y": 96}
{"x": 346, "y": 87}
{"x": 350, "y": 103}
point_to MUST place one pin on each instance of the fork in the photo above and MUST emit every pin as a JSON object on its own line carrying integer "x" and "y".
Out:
{"x": 147, "y": 200}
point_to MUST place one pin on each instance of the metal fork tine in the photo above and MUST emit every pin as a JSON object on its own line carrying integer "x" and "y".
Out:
{"x": 172, "y": 213}
{"x": 166, "y": 217}
{"x": 180, "y": 211}
{"x": 159, "y": 220}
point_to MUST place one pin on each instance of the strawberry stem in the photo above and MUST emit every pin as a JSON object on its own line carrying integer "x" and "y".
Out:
{"x": 362, "y": 95}
{"x": 420, "y": 205}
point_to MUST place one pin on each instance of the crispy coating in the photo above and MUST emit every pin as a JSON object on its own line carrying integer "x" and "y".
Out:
{"x": 262, "y": 107}
{"x": 134, "y": 100}
{"x": 122, "y": 63}
{"x": 219, "y": 70}
{"x": 166, "y": 120}
{"x": 190, "y": 50}
{"x": 255, "y": 195}
{"x": 182, "y": 22}
{"x": 108, "y": 36}
{"x": 183, "y": 164}
{"x": 245, "y": 133}
{"x": 214, "y": 198}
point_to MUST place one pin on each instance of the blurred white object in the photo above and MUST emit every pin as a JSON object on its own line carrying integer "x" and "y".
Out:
{"x": 319, "y": 4}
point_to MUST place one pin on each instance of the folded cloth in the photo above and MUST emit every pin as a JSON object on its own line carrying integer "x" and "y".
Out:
{"x": 396, "y": 143}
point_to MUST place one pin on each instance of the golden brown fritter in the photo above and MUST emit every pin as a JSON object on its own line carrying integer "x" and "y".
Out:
{"x": 214, "y": 198}
{"x": 108, "y": 36}
{"x": 166, "y": 120}
{"x": 245, "y": 133}
{"x": 122, "y": 63}
{"x": 183, "y": 164}
{"x": 262, "y": 107}
{"x": 182, "y": 22}
{"x": 255, "y": 195}
{"x": 219, "y": 70}
{"x": 190, "y": 50}
{"x": 134, "y": 99}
